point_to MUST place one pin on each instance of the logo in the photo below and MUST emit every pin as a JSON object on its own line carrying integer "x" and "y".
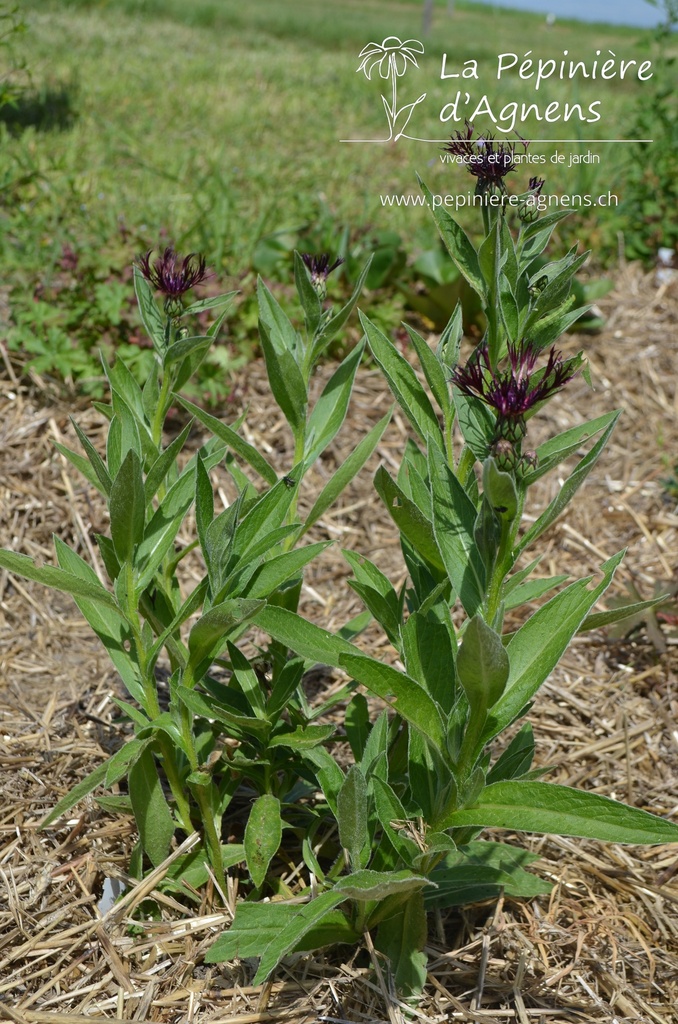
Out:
{"x": 392, "y": 58}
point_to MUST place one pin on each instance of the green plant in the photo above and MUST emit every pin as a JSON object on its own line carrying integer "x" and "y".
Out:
{"x": 396, "y": 833}
{"x": 427, "y": 777}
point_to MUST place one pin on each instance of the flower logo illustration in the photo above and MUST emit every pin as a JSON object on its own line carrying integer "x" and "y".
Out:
{"x": 392, "y": 57}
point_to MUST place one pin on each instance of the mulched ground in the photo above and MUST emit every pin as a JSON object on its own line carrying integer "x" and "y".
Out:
{"x": 602, "y": 947}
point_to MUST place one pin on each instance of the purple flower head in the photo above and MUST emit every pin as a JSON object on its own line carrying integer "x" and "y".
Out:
{"x": 488, "y": 160}
{"x": 535, "y": 186}
{"x": 320, "y": 268}
{"x": 171, "y": 275}
{"x": 512, "y": 392}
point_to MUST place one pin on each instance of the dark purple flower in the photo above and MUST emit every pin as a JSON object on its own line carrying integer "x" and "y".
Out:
{"x": 171, "y": 275}
{"x": 319, "y": 267}
{"x": 489, "y": 161}
{"x": 535, "y": 186}
{"x": 512, "y": 392}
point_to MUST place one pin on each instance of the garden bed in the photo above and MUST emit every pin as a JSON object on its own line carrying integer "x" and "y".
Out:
{"x": 603, "y": 946}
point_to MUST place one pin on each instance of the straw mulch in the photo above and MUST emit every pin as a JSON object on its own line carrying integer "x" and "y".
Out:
{"x": 602, "y": 947}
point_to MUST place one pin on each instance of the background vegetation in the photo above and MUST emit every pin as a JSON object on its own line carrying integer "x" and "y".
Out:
{"x": 217, "y": 125}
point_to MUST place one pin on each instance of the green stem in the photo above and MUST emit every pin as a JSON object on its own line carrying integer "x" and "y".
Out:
{"x": 503, "y": 564}
{"x": 174, "y": 780}
{"x": 211, "y": 836}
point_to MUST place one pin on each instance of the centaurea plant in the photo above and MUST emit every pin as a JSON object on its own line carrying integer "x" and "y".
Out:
{"x": 391, "y": 832}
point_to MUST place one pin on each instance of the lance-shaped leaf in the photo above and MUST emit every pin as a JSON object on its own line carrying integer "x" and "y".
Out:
{"x": 482, "y": 665}
{"x": 56, "y": 578}
{"x": 308, "y": 296}
{"x": 559, "y": 810}
{"x": 454, "y": 517}
{"x": 348, "y": 469}
{"x": 238, "y": 444}
{"x": 310, "y": 641}
{"x": 280, "y": 344}
{"x": 403, "y": 694}
{"x": 538, "y": 645}
{"x": 151, "y": 813}
{"x": 457, "y": 243}
{"x": 403, "y": 382}
{"x": 409, "y": 518}
{"x": 263, "y": 835}
{"x": 569, "y": 488}
{"x": 257, "y": 925}
{"x": 352, "y": 814}
{"x": 329, "y": 411}
{"x": 333, "y": 327}
{"x": 211, "y": 631}
{"x": 128, "y": 507}
{"x": 150, "y": 314}
{"x": 108, "y": 625}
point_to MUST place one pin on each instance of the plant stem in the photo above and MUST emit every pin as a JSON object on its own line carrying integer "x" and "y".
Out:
{"x": 212, "y": 839}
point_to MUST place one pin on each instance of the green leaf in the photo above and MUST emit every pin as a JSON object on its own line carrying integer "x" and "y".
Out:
{"x": 97, "y": 463}
{"x": 523, "y": 593}
{"x": 403, "y": 382}
{"x": 352, "y": 814}
{"x": 367, "y": 885}
{"x": 559, "y": 810}
{"x": 256, "y": 925}
{"x": 336, "y": 323}
{"x": 430, "y": 657}
{"x": 90, "y": 782}
{"x": 538, "y": 645}
{"x": 150, "y": 314}
{"x": 263, "y": 835}
{"x": 106, "y": 623}
{"x": 599, "y": 619}
{"x": 56, "y": 578}
{"x": 226, "y": 298}
{"x": 516, "y": 760}
{"x": 402, "y": 937}
{"x": 454, "y": 516}
{"x": 127, "y": 507}
{"x": 290, "y": 936}
{"x": 164, "y": 463}
{"x": 357, "y": 724}
{"x": 305, "y": 638}
{"x": 284, "y": 685}
{"x": 433, "y": 371}
{"x": 235, "y": 714}
{"x": 308, "y": 296}
{"x": 208, "y": 636}
{"x": 247, "y": 680}
{"x": 476, "y": 422}
{"x": 303, "y": 737}
{"x": 558, "y": 448}
{"x": 568, "y": 489}
{"x": 409, "y": 518}
{"x": 273, "y": 573}
{"x": 119, "y": 765}
{"x": 349, "y": 468}
{"x": 458, "y": 244}
{"x": 279, "y": 344}
{"x": 246, "y": 451}
{"x": 151, "y": 812}
{"x": 185, "y": 348}
{"x": 81, "y": 464}
{"x": 266, "y": 515}
{"x": 403, "y": 694}
{"x": 482, "y": 665}
{"x": 329, "y": 411}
